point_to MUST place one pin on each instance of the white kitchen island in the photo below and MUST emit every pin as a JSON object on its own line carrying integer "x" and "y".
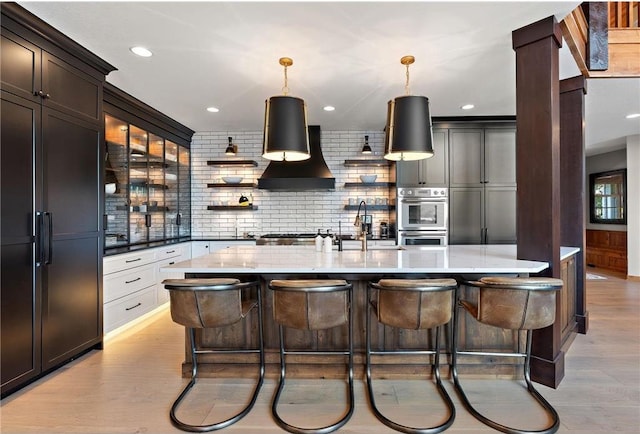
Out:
{"x": 268, "y": 262}
{"x": 451, "y": 260}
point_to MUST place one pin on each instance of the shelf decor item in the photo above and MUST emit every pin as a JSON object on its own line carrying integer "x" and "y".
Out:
{"x": 232, "y": 179}
{"x": 285, "y": 125}
{"x": 408, "y": 130}
{"x": 368, "y": 179}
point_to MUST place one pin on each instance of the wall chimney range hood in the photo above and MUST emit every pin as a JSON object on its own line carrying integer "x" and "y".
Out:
{"x": 310, "y": 174}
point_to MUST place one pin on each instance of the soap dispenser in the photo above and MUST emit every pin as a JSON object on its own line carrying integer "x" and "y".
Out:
{"x": 318, "y": 242}
{"x": 327, "y": 244}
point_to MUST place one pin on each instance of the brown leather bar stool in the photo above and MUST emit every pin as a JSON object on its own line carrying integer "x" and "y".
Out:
{"x": 210, "y": 303}
{"x": 312, "y": 305}
{"x": 412, "y": 304}
{"x": 513, "y": 303}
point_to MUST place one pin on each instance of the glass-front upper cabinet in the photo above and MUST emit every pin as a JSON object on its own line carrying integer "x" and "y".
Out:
{"x": 183, "y": 218}
{"x": 145, "y": 200}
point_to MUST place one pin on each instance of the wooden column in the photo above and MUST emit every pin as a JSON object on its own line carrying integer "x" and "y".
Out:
{"x": 572, "y": 184}
{"x": 538, "y": 173}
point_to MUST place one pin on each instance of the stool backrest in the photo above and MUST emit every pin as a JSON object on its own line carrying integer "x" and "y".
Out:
{"x": 414, "y": 310}
{"x": 203, "y": 308}
{"x": 206, "y": 302}
{"x": 517, "y": 303}
{"x": 310, "y": 304}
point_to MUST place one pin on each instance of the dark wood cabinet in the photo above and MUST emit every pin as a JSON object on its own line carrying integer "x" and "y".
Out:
{"x": 607, "y": 250}
{"x": 51, "y": 153}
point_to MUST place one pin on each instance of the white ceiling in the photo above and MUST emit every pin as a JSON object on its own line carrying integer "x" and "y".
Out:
{"x": 346, "y": 54}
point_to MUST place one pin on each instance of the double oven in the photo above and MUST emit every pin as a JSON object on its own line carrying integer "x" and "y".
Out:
{"x": 422, "y": 216}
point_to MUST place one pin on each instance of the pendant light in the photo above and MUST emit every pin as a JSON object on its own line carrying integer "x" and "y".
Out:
{"x": 408, "y": 133}
{"x": 231, "y": 148}
{"x": 366, "y": 149}
{"x": 286, "y": 137}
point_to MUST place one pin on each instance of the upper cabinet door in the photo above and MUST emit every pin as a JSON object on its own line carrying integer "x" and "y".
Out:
{"x": 68, "y": 89}
{"x": 19, "y": 66}
{"x": 184, "y": 195}
{"x": 500, "y": 157}
{"x": 466, "y": 157}
{"x": 434, "y": 171}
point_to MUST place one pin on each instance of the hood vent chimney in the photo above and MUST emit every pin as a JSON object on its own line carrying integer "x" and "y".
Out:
{"x": 310, "y": 174}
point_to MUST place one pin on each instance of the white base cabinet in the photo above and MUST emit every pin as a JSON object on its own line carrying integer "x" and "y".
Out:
{"x": 133, "y": 282}
{"x": 201, "y": 248}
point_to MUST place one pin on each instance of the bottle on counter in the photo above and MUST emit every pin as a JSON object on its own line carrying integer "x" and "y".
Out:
{"x": 319, "y": 242}
{"x": 327, "y": 244}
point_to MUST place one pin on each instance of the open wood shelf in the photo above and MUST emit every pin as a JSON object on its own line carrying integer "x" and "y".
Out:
{"x": 225, "y": 185}
{"x": 369, "y": 184}
{"x": 232, "y": 208}
{"x": 369, "y": 163}
{"x": 232, "y": 163}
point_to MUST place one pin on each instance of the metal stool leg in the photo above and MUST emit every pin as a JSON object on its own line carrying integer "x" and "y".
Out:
{"x": 351, "y": 397}
{"x": 555, "y": 419}
{"x": 436, "y": 366}
{"x": 194, "y": 372}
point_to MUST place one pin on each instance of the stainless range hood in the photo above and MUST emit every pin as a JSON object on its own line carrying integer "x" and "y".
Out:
{"x": 310, "y": 174}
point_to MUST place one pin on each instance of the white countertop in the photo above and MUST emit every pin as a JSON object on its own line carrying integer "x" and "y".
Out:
{"x": 456, "y": 259}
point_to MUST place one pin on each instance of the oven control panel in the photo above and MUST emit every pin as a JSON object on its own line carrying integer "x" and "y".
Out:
{"x": 417, "y": 192}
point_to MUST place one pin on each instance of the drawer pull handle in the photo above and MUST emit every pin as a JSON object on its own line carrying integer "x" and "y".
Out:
{"x": 133, "y": 307}
{"x": 170, "y": 251}
{"x": 171, "y": 263}
{"x": 133, "y": 260}
{"x": 134, "y": 280}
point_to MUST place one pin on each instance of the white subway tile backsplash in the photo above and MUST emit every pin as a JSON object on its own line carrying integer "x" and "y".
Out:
{"x": 280, "y": 211}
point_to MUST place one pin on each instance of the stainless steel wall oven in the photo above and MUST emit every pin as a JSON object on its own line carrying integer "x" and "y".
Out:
{"x": 423, "y": 216}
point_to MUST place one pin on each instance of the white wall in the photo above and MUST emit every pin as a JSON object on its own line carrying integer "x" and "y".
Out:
{"x": 633, "y": 207}
{"x": 279, "y": 212}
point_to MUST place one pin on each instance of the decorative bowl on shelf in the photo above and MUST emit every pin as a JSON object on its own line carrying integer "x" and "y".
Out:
{"x": 232, "y": 179}
{"x": 368, "y": 179}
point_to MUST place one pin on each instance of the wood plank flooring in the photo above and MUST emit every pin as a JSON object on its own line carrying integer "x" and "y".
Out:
{"x": 130, "y": 385}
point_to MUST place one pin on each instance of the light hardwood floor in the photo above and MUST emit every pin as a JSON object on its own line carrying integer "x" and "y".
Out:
{"x": 130, "y": 385}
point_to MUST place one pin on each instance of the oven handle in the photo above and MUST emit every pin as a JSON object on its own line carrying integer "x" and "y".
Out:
{"x": 424, "y": 200}
{"x": 425, "y": 234}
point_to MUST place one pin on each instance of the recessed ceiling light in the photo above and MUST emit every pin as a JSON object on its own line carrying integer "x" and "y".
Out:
{"x": 633, "y": 116}
{"x": 467, "y": 107}
{"x": 141, "y": 51}
{"x": 329, "y": 108}
{"x": 213, "y": 109}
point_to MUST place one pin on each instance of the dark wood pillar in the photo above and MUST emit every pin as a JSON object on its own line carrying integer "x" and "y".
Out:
{"x": 538, "y": 173}
{"x": 572, "y": 184}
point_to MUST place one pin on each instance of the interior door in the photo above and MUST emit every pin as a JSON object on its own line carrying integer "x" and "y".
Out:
{"x": 72, "y": 306}
{"x": 19, "y": 319}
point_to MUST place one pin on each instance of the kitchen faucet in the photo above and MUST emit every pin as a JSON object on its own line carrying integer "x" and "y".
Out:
{"x": 363, "y": 226}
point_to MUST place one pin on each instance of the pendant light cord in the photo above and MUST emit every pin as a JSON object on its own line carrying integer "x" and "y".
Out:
{"x": 406, "y": 86}
{"x": 285, "y": 88}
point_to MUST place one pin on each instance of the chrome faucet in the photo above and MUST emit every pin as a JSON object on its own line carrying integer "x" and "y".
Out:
{"x": 363, "y": 226}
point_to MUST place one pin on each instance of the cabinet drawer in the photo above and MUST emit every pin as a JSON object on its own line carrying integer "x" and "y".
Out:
{"x": 120, "y": 312}
{"x": 128, "y": 260}
{"x": 169, "y": 252}
{"x": 126, "y": 282}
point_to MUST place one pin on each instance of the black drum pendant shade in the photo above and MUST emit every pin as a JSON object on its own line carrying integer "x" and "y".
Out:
{"x": 408, "y": 133}
{"x": 286, "y": 137}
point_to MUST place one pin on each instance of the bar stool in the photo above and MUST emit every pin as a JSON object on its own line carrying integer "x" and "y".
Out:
{"x": 312, "y": 305}
{"x": 515, "y": 304}
{"x": 412, "y": 304}
{"x": 210, "y": 303}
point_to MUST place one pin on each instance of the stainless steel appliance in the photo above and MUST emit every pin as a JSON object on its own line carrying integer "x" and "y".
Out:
{"x": 423, "y": 216}
{"x": 288, "y": 239}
